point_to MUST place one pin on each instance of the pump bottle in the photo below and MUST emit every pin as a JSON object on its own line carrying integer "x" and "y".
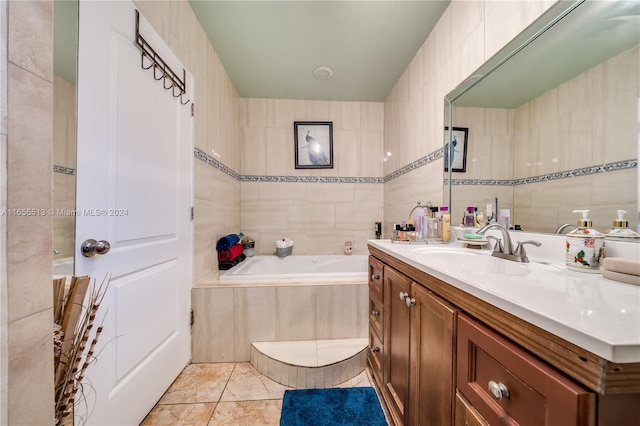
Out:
{"x": 585, "y": 246}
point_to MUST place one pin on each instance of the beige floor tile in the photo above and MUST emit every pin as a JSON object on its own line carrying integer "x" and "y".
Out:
{"x": 247, "y": 384}
{"x": 247, "y": 413}
{"x": 179, "y": 415}
{"x": 198, "y": 383}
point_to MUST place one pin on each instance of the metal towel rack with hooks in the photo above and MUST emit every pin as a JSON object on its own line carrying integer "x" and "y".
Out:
{"x": 161, "y": 71}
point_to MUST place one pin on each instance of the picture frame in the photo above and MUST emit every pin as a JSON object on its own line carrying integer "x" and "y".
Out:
{"x": 313, "y": 141}
{"x": 459, "y": 158}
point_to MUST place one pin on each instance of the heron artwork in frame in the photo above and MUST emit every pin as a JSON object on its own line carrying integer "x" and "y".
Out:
{"x": 313, "y": 144}
{"x": 457, "y": 150}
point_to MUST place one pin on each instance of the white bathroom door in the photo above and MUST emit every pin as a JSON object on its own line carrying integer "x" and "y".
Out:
{"x": 134, "y": 190}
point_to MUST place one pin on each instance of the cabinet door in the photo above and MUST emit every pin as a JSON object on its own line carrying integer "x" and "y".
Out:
{"x": 508, "y": 386}
{"x": 376, "y": 270}
{"x": 397, "y": 318}
{"x": 432, "y": 353}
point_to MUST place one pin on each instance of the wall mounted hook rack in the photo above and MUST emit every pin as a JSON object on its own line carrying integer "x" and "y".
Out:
{"x": 161, "y": 71}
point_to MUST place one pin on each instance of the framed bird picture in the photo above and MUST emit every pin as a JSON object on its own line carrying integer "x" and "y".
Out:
{"x": 313, "y": 144}
{"x": 456, "y": 152}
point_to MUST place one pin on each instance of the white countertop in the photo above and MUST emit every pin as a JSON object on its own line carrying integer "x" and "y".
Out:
{"x": 597, "y": 314}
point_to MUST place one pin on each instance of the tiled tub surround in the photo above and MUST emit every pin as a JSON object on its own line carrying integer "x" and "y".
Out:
{"x": 228, "y": 319}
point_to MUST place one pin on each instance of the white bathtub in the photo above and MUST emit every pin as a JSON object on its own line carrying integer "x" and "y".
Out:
{"x": 326, "y": 268}
{"x": 62, "y": 267}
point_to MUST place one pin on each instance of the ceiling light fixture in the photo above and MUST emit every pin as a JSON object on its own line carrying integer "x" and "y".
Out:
{"x": 322, "y": 73}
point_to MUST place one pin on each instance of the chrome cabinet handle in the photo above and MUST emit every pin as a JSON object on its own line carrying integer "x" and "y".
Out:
{"x": 375, "y": 313}
{"x": 410, "y": 302}
{"x": 375, "y": 277}
{"x": 375, "y": 349}
{"x": 91, "y": 247}
{"x": 403, "y": 295}
{"x": 498, "y": 390}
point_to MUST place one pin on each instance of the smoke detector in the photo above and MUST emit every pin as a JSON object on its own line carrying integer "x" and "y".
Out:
{"x": 322, "y": 73}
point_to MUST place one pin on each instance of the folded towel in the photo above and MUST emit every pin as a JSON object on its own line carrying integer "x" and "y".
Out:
{"x": 624, "y": 278}
{"x": 622, "y": 265}
{"x": 223, "y": 266}
{"x": 227, "y": 241}
{"x": 228, "y": 255}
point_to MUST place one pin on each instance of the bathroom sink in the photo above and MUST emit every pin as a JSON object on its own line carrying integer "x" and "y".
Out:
{"x": 480, "y": 262}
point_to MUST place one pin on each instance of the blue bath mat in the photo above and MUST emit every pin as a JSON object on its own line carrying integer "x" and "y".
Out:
{"x": 332, "y": 407}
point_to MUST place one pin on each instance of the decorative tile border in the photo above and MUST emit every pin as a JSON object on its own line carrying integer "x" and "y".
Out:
{"x": 584, "y": 171}
{"x": 64, "y": 170}
{"x": 436, "y": 155}
{"x": 203, "y": 156}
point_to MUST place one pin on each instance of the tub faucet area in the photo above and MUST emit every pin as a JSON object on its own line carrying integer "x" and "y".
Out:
{"x": 565, "y": 226}
{"x": 506, "y": 250}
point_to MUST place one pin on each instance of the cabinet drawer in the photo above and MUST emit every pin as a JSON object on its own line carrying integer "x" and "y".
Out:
{"x": 507, "y": 385}
{"x": 375, "y": 353}
{"x": 375, "y": 278}
{"x": 375, "y": 316}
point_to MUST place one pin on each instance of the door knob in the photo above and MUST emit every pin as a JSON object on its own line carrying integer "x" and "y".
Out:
{"x": 403, "y": 295}
{"x": 90, "y": 247}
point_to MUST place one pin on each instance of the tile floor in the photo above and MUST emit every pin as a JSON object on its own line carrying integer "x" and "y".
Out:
{"x": 225, "y": 394}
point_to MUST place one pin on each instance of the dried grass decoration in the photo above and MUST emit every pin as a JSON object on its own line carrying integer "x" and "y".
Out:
{"x": 74, "y": 339}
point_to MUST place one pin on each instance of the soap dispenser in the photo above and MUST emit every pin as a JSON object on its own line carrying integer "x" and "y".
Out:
{"x": 585, "y": 246}
{"x": 621, "y": 230}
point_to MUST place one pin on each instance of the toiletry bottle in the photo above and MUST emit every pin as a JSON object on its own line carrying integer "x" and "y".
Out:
{"x": 438, "y": 230}
{"x": 621, "y": 230}
{"x": 378, "y": 230}
{"x": 585, "y": 246}
{"x": 470, "y": 217}
{"x": 348, "y": 247}
{"x": 420, "y": 224}
{"x": 432, "y": 225}
{"x": 446, "y": 224}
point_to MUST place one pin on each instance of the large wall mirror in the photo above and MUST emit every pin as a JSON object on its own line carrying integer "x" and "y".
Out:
{"x": 552, "y": 121}
{"x": 65, "y": 48}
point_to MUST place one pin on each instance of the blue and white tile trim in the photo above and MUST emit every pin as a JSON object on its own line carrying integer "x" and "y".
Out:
{"x": 64, "y": 170}
{"x": 584, "y": 171}
{"x": 203, "y": 156}
{"x": 436, "y": 155}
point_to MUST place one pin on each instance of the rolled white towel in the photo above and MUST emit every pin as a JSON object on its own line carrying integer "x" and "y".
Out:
{"x": 624, "y": 278}
{"x": 622, "y": 265}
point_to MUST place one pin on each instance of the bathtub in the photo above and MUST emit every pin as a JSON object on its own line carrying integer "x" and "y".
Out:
{"x": 323, "y": 268}
{"x": 267, "y": 298}
{"x": 62, "y": 267}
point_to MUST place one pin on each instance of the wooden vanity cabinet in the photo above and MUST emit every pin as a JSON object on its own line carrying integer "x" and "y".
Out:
{"x": 508, "y": 385}
{"x": 417, "y": 372}
{"x": 377, "y": 349}
{"x": 440, "y": 348}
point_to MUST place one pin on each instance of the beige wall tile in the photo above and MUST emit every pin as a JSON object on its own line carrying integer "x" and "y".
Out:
{"x": 30, "y": 367}
{"x": 29, "y": 96}
{"x": 296, "y": 313}
{"x": 255, "y": 318}
{"x": 212, "y": 332}
{"x": 337, "y": 318}
{"x": 30, "y": 37}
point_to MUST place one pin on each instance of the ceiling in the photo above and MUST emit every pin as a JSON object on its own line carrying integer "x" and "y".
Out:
{"x": 270, "y": 48}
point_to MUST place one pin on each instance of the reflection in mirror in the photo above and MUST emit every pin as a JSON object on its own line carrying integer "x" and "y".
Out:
{"x": 65, "y": 35}
{"x": 555, "y": 127}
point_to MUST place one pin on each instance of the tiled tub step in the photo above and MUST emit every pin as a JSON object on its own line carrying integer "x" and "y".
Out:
{"x": 310, "y": 363}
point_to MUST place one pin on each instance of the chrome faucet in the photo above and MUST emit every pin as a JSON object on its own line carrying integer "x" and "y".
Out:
{"x": 565, "y": 226}
{"x": 504, "y": 249}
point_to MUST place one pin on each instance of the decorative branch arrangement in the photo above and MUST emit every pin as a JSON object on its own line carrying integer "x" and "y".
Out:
{"x": 74, "y": 339}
